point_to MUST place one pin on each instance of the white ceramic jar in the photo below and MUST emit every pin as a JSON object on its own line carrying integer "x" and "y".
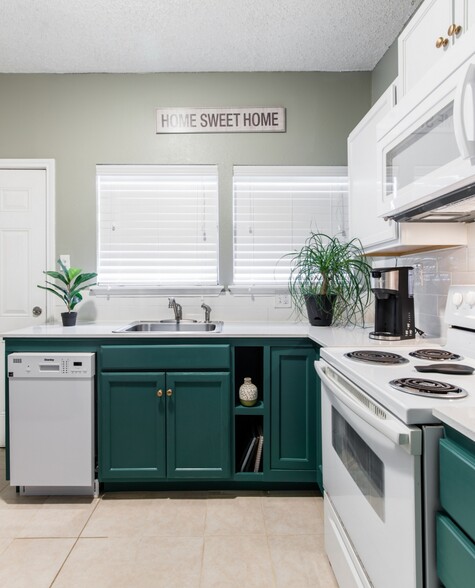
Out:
{"x": 248, "y": 393}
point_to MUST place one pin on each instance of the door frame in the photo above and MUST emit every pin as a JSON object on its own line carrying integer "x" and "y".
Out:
{"x": 49, "y": 165}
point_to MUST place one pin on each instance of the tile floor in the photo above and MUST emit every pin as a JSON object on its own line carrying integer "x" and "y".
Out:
{"x": 156, "y": 539}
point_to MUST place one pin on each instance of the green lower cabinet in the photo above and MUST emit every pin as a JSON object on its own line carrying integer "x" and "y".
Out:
{"x": 294, "y": 426}
{"x": 456, "y": 524}
{"x": 198, "y": 425}
{"x": 132, "y": 427}
{"x": 164, "y": 425}
{"x": 455, "y": 555}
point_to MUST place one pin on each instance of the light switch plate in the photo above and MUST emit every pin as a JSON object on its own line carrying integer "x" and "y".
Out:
{"x": 66, "y": 260}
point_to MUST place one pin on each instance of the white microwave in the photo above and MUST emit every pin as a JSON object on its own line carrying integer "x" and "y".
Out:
{"x": 426, "y": 152}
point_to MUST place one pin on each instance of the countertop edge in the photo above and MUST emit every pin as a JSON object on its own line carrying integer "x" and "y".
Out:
{"x": 459, "y": 418}
{"x": 323, "y": 336}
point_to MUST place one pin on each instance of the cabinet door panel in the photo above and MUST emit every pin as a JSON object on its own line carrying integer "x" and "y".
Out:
{"x": 363, "y": 182}
{"x": 293, "y": 410}
{"x": 164, "y": 357}
{"x": 457, "y": 482}
{"x": 132, "y": 426}
{"x": 417, "y": 50}
{"x": 198, "y": 425}
{"x": 455, "y": 555}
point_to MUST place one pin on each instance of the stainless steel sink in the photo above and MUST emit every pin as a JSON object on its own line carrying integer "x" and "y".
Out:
{"x": 171, "y": 327}
{"x": 174, "y": 321}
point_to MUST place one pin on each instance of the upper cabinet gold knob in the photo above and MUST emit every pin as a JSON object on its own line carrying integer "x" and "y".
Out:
{"x": 454, "y": 30}
{"x": 169, "y": 392}
{"x": 160, "y": 393}
{"x": 441, "y": 42}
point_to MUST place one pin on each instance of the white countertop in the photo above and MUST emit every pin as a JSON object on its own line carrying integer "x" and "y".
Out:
{"x": 460, "y": 418}
{"x": 324, "y": 336}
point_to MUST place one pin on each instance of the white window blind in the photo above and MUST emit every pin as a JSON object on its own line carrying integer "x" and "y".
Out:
{"x": 275, "y": 209}
{"x": 157, "y": 225}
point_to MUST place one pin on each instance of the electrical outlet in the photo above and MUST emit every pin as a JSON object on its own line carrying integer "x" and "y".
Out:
{"x": 66, "y": 260}
{"x": 282, "y": 301}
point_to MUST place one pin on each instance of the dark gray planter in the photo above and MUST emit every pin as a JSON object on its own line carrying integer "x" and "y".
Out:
{"x": 69, "y": 318}
{"x": 320, "y": 309}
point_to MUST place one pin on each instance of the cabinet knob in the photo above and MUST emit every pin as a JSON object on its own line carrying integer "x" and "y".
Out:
{"x": 454, "y": 29}
{"x": 441, "y": 42}
{"x": 160, "y": 393}
{"x": 169, "y": 392}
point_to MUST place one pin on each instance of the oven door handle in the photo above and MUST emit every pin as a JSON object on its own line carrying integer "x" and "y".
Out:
{"x": 407, "y": 438}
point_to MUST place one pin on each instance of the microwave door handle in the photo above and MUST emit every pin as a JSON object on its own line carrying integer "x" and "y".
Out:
{"x": 464, "y": 115}
{"x": 399, "y": 434}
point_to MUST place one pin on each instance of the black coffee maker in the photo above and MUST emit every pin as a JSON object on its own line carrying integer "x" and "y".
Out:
{"x": 393, "y": 289}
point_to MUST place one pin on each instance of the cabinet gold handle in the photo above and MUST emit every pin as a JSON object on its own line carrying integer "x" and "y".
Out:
{"x": 441, "y": 42}
{"x": 454, "y": 30}
{"x": 169, "y": 392}
{"x": 160, "y": 393}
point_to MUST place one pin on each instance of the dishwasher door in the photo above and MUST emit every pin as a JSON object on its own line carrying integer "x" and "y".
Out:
{"x": 51, "y": 422}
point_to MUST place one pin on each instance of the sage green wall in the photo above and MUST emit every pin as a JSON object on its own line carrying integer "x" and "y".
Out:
{"x": 82, "y": 120}
{"x": 384, "y": 73}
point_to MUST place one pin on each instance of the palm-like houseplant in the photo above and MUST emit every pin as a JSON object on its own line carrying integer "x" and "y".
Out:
{"x": 71, "y": 281}
{"x": 331, "y": 280}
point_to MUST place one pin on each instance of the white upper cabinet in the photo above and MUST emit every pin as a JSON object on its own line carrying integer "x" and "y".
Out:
{"x": 440, "y": 30}
{"x": 363, "y": 184}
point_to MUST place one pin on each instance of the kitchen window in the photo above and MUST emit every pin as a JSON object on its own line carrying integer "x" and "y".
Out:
{"x": 157, "y": 227}
{"x": 275, "y": 209}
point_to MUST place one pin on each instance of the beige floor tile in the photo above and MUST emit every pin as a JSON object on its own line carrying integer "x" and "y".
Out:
{"x": 55, "y": 522}
{"x": 155, "y": 539}
{"x": 293, "y": 515}
{"x": 13, "y": 522}
{"x": 148, "y": 517}
{"x": 43, "y": 516}
{"x": 145, "y": 562}
{"x": 32, "y": 563}
{"x": 235, "y": 515}
{"x": 4, "y": 543}
{"x": 237, "y": 561}
{"x": 299, "y": 561}
{"x": 10, "y": 498}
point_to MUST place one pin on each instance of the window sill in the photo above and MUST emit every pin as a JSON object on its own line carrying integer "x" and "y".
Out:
{"x": 145, "y": 291}
{"x": 258, "y": 290}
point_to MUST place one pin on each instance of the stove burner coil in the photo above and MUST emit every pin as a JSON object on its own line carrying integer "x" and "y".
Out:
{"x": 435, "y": 355}
{"x": 372, "y": 356}
{"x": 430, "y": 388}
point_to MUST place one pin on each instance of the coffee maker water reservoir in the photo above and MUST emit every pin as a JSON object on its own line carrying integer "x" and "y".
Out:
{"x": 393, "y": 289}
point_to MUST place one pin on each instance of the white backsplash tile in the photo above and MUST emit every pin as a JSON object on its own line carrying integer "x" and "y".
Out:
{"x": 224, "y": 307}
{"x": 434, "y": 273}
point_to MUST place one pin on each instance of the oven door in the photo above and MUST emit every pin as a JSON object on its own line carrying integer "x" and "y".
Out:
{"x": 371, "y": 474}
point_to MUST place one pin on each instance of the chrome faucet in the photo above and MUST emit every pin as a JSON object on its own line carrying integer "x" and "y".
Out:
{"x": 207, "y": 310}
{"x": 176, "y": 309}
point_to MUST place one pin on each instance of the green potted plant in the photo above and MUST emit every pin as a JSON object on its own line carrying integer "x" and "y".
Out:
{"x": 331, "y": 280}
{"x": 71, "y": 281}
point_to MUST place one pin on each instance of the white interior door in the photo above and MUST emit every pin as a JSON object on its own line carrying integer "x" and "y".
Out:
{"x": 25, "y": 251}
{"x": 22, "y": 248}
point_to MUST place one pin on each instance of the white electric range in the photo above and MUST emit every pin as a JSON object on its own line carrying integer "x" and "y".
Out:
{"x": 380, "y": 450}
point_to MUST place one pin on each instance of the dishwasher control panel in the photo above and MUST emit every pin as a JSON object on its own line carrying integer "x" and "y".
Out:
{"x": 51, "y": 365}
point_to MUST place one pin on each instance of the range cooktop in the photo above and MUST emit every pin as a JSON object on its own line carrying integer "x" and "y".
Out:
{"x": 389, "y": 375}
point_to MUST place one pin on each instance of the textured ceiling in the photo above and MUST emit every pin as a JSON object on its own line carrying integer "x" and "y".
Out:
{"x": 197, "y": 35}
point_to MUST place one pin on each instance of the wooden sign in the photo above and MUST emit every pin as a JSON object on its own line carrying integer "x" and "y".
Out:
{"x": 221, "y": 120}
